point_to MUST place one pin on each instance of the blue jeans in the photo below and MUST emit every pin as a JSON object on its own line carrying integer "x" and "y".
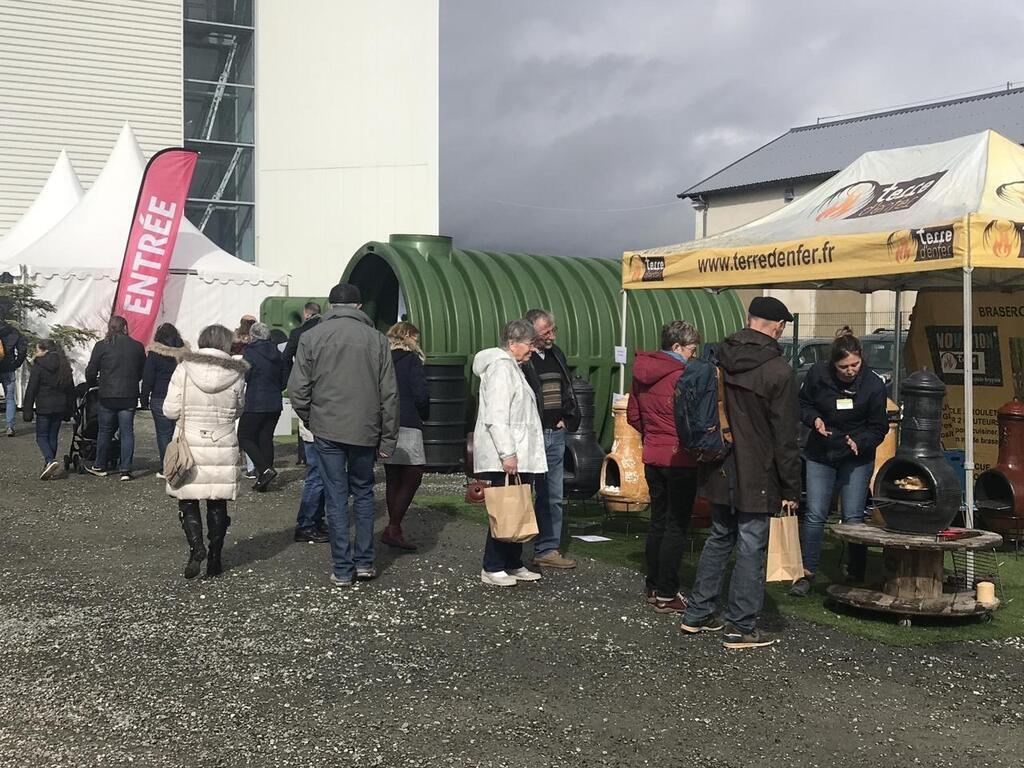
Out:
{"x": 7, "y": 379}
{"x": 311, "y": 506}
{"x": 47, "y": 434}
{"x": 347, "y": 469}
{"x": 164, "y": 428}
{"x": 503, "y": 555}
{"x": 123, "y": 420}
{"x": 852, "y": 480}
{"x": 549, "y": 494}
{"x": 748, "y": 535}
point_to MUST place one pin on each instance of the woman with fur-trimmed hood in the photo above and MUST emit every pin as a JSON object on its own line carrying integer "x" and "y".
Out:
{"x": 206, "y": 396}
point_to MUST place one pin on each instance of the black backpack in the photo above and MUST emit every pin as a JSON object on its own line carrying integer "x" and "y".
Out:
{"x": 699, "y": 408}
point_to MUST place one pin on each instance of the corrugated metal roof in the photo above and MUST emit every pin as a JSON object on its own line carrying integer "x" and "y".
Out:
{"x": 821, "y": 150}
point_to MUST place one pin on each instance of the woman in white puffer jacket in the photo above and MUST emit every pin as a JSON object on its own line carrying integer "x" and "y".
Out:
{"x": 211, "y": 385}
{"x": 508, "y": 438}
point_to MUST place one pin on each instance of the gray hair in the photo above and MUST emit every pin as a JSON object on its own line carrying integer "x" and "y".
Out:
{"x": 679, "y": 332}
{"x": 536, "y": 315}
{"x": 216, "y": 337}
{"x": 517, "y": 332}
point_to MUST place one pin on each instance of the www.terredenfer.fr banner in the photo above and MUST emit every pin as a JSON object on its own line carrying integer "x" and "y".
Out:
{"x": 814, "y": 258}
{"x": 154, "y": 230}
{"x": 936, "y": 342}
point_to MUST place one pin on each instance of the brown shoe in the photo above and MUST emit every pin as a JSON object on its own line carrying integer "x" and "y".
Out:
{"x": 554, "y": 559}
{"x": 675, "y": 604}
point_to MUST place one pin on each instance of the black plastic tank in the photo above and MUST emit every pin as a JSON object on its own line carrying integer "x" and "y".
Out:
{"x": 583, "y": 453}
{"x": 444, "y": 430}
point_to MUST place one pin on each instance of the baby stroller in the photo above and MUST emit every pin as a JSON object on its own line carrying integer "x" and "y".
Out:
{"x": 86, "y": 426}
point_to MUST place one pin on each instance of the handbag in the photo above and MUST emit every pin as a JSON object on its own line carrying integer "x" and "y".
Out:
{"x": 178, "y": 460}
{"x": 785, "y": 561}
{"x": 510, "y": 511}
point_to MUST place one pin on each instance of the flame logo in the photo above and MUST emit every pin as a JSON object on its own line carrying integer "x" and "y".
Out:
{"x": 636, "y": 269}
{"x": 845, "y": 201}
{"x": 1003, "y": 237}
{"x": 1012, "y": 192}
{"x": 900, "y": 245}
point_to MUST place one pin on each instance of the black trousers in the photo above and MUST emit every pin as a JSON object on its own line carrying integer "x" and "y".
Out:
{"x": 673, "y": 490}
{"x": 256, "y": 438}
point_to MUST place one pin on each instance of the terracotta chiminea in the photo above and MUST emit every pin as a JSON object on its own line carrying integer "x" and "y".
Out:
{"x": 999, "y": 492}
{"x": 623, "y": 484}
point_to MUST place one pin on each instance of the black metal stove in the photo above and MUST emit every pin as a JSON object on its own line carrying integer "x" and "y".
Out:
{"x": 583, "y": 453}
{"x": 917, "y": 491}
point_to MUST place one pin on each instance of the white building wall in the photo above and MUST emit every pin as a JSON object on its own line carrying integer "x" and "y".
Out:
{"x": 346, "y": 131}
{"x": 71, "y": 73}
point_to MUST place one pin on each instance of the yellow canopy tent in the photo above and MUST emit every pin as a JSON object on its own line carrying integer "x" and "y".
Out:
{"x": 937, "y": 216}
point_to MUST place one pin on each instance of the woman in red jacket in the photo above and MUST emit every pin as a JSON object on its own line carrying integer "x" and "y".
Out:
{"x": 670, "y": 471}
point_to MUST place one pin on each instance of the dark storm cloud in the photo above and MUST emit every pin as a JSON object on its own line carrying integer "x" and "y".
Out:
{"x": 560, "y": 119}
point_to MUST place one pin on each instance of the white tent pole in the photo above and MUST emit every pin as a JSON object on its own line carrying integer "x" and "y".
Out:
{"x": 622, "y": 342}
{"x": 968, "y": 386}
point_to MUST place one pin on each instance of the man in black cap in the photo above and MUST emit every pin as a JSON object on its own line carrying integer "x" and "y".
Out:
{"x": 760, "y": 476}
{"x": 343, "y": 389}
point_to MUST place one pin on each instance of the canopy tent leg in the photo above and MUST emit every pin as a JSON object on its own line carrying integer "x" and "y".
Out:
{"x": 622, "y": 342}
{"x": 897, "y": 355}
{"x": 968, "y": 399}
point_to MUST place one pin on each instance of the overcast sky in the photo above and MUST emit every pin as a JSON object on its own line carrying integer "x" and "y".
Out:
{"x": 569, "y": 126}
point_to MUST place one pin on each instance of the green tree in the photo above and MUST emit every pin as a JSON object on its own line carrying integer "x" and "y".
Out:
{"x": 19, "y": 305}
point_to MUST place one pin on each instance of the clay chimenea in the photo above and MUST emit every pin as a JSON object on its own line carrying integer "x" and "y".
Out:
{"x": 999, "y": 492}
{"x": 623, "y": 484}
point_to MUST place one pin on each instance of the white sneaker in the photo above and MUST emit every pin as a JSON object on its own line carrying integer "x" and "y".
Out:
{"x": 51, "y": 470}
{"x": 160, "y": 476}
{"x": 524, "y": 574}
{"x": 498, "y": 579}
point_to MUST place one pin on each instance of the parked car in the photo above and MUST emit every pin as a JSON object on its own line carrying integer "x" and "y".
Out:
{"x": 808, "y": 352}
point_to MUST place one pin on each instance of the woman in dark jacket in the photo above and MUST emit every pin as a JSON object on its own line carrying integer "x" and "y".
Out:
{"x": 403, "y": 470}
{"x": 670, "y": 470}
{"x": 116, "y": 367}
{"x": 843, "y": 403}
{"x": 156, "y": 375}
{"x": 49, "y": 399}
{"x": 263, "y": 404}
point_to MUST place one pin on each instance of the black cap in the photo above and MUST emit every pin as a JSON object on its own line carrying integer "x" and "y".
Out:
{"x": 769, "y": 308}
{"x": 345, "y": 293}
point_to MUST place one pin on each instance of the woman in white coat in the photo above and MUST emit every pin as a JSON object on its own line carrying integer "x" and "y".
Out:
{"x": 508, "y": 439}
{"x": 206, "y": 396}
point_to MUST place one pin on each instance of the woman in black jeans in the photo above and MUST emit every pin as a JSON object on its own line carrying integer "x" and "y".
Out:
{"x": 49, "y": 399}
{"x": 156, "y": 375}
{"x": 263, "y": 405}
{"x": 116, "y": 368}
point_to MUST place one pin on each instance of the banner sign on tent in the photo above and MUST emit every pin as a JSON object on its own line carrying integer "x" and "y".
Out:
{"x": 155, "y": 222}
{"x": 936, "y": 342}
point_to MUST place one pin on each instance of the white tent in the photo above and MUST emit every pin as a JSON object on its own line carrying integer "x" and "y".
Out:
{"x": 77, "y": 263}
{"x": 61, "y": 192}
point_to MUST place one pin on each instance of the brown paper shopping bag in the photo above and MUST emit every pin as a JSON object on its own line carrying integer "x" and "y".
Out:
{"x": 785, "y": 562}
{"x": 510, "y": 509}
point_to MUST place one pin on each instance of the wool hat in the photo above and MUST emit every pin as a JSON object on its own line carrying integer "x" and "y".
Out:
{"x": 260, "y": 331}
{"x": 769, "y": 308}
{"x": 345, "y": 293}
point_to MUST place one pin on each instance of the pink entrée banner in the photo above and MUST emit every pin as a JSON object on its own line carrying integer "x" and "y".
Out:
{"x": 155, "y": 223}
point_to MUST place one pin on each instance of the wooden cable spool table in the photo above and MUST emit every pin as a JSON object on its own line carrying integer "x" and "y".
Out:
{"x": 914, "y": 571}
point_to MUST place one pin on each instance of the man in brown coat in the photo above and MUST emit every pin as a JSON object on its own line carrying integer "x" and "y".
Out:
{"x": 760, "y": 476}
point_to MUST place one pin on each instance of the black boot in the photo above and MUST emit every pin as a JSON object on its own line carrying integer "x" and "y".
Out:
{"x": 217, "y": 521}
{"x": 192, "y": 524}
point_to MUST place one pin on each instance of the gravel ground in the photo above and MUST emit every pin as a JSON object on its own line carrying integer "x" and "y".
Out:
{"x": 109, "y": 657}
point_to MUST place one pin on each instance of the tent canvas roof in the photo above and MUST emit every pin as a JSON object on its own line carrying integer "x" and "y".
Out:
{"x": 61, "y": 192}
{"x": 91, "y": 238}
{"x": 893, "y": 218}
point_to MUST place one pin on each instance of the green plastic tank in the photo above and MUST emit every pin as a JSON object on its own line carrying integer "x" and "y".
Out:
{"x": 460, "y": 299}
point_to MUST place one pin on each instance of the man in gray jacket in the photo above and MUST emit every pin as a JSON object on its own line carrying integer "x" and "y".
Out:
{"x": 343, "y": 388}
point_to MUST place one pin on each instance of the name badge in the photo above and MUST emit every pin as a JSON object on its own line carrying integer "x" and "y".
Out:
{"x": 844, "y": 404}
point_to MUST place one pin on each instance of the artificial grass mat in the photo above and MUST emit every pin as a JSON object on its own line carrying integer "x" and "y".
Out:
{"x": 626, "y": 549}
